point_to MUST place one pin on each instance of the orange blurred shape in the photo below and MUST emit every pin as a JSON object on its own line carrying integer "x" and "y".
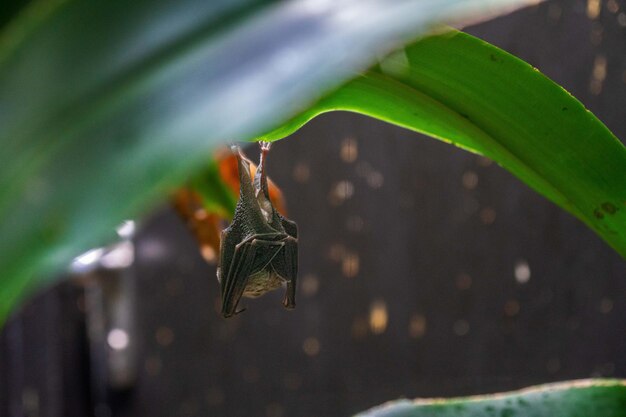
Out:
{"x": 205, "y": 225}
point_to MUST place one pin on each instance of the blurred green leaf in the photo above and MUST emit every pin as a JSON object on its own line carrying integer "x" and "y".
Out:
{"x": 216, "y": 196}
{"x": 467, "y": 92}
{"x": 104, "y": 106}
{"x": 591, "y": 398}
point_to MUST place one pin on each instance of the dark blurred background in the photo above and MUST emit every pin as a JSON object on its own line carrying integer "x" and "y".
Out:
{"x": 424, "y": 271}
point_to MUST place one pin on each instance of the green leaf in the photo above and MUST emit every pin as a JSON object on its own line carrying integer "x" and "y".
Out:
{"x": 606, "y": 398}
{"x": 105, "y": 106}
{"x": 216, "y": 196}
{"x": 467, "y": 92}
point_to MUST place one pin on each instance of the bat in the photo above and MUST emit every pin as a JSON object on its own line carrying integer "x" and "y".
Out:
{"x": 259, "y": 250}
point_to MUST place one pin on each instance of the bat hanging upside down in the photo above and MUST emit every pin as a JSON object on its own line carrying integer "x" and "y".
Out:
{"x": 259, "y": 250}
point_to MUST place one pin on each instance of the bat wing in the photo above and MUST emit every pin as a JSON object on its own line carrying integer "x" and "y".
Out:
{"x": 285, "y": 264}
{"x": 248, "y": 258}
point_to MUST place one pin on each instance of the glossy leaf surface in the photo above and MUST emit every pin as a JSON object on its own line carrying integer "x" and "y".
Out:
{"x": 464, "y": 91}
{"x": 606, "y": 398}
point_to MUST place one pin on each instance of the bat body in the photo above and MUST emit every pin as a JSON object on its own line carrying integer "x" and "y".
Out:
{"x": 259, "y": 250}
